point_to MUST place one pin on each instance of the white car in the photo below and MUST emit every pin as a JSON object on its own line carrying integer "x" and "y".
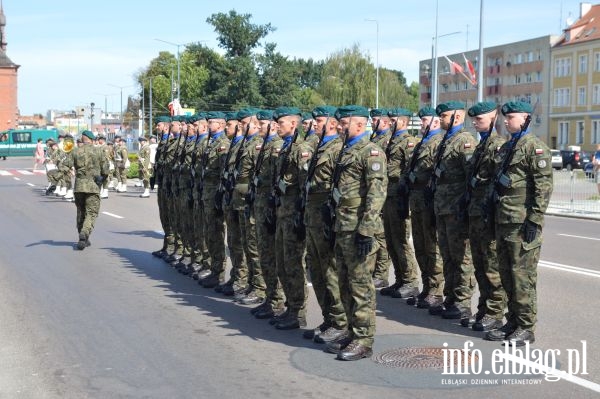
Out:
{"x": 557, "y": 159}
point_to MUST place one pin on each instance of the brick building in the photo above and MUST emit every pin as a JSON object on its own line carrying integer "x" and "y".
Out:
{"x": 9, "y": 111}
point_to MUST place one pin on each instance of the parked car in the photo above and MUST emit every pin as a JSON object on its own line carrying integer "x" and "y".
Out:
{"x": 557, "y": 159}
{"x": 573, "y": 159}
{"x": 589, "y": 170}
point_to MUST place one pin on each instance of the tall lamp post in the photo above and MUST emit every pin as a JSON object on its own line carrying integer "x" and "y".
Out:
{"x": 105, "y": 109}
{"x": 92, "y": 116}
{"x": 377, "y": 62}
{"x": 178, "y": 64}
{"x": 121, "y": 110}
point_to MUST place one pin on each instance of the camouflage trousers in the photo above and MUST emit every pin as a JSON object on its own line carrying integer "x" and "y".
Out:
{"x": 492, "y": 298}
{"x": 165, "y": 220}
{"x": 426, "y": 246}
{"x": 266, "y": 251}
{"x": 517, "y": 262}
{"x": 320, "y": 261}
{"x": 239, "y": 269}
{"x": 397, "y": 235}
{"x": 214, "y": 235}
{"x": 356, "y": 287}
{"x": 382, "y": 262}
{"x": 88, "y": 207}
{"x": 185, "y": 220}
{"x": 199, "y": 249}
{"x": 121, "y": 175}
{"x": 289, "y": 257}
{"x": 173, "y": 206}
{"x": 459, "y": 278}
{"x": 253, "y": 271}
{"x": 144, "y": 176}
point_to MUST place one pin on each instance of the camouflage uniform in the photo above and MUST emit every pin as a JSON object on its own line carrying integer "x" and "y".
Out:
{"x": 397, "y": 229}
{"x": 266, "y": 247}
{"x": 184, "y": 198}
{"x": 423, "y": 226}
{"x": 530, "y": 174}
{"x": 362, "y": 188}
{"x": 251, "y": 272}
{"x": 161, "y": 197}
{"x": 89, "y": 162}
{"x": 110, "y": 156}
{"x": 167, "y": 194}
{"x": 200, "y": 255}
{"x": 120, "y": 160}
{"x": 214, "y": 226}
{"x": 382, "y": 265}
{"x": 453, "y": 235}
{"x": 144, "y": 164}
{"x": 320, "y": 258}
{"x": 492, "y": 298}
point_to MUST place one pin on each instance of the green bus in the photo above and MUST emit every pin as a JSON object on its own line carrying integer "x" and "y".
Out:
{"x": 18, "y": 143}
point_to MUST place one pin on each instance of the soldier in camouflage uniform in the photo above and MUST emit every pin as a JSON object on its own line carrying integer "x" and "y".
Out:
{"x": 453, "y": 235}
{"x": 162, "y": 129}
{"x": 144, "y": 166}
{"x": 380, "y": 122}
{"x": 523, "y": 191}
{"x": 359, "y": 191}
{"x": 264, "y": 176}
{"x": 320, "y": 258}
{"x": 422, "y": 220}
{"x": 214, "y": 223}
{"x": 397, "y": 225}
{"x": 110, "y": 155}
{"x": 492, "y": 298}
{"x": 90, "y": 169}
{"x": 120, "y": 162}
{"x": 289, "y": 251}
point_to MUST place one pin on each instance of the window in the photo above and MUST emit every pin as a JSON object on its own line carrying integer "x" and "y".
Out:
{"x": 517, "y": 79}
{"x": 529, "y": 56}
{"x": 595, "y": 132}
{"x": 528, "y": 78}
{"x": 581, "y": 95}
{"x": 562, "y": 97}
{"x": 562, "y": 67}
{"x": 597, "y": 62}
{"x": 22, "y": 137}
{"x": 596, "y": 94}
{"x": 583, "y": 61}
{"x": 580, "y": 132}
{"x": 519, "y": 59}
{"x": 538, "y": 76}
{"x": 563, "y": 133}
{"x": 527, "y": 98}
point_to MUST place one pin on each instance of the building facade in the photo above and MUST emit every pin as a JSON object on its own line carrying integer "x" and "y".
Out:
{"x": 9, "y": 110}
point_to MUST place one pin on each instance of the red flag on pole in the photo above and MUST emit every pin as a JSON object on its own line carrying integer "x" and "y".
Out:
{"x": 471, "y": 69}
{"x": 454, "y": 67}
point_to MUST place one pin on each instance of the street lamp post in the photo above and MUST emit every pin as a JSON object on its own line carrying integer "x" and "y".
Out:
{"x": 121, "y": 110}
{"x": 377, "y": 62}
{"x": 178, "y": 64}
{"x": 92, "y": 116}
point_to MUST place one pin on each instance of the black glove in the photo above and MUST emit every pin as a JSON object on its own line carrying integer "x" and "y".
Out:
{"x": 529, "y": 231}
{"x": 99, "y": 180}
{"x": 403, "y": 189}
{"x": 326, "y": 214}
{"x": 461, "y": 207}
{"x": 299, "y": 227}
{"x": 152, "y": 182}
{"x": 428, "y": 196}
{"x": 219, "y": 203}
{"x": 364, "y": 245}
{"x": 270, "y": 221}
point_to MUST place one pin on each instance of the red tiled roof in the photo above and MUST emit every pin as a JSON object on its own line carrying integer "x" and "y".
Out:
{"x": 585, "y": 29}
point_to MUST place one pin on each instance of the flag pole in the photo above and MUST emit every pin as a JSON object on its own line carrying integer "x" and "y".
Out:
{"x": 480, "y": 78}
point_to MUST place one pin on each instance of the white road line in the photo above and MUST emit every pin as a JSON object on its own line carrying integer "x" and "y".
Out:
{"x": 585, "y": 238}
{"x": 570, "y": 269}
{"x": 5, "y": 173}
{"x": 31, "y": 184}
{"x": 113, "y": 215}
{"x": 24, "y": 172}
{"x": 16, "y": 178}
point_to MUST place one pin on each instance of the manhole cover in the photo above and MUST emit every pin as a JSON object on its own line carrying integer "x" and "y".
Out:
{"x": 422, "y": 358}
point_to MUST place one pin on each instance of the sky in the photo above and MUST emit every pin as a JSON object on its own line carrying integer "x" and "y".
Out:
{"x": 74, "y": 52}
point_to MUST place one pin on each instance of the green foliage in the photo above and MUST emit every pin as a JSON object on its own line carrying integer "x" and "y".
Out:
{"x": 133, "y": 171}
{"x": 236, "y": 34}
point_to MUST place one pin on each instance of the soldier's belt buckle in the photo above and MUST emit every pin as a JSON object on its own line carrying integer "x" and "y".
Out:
{"x": 412, "y": 176}
{"x": 505, "y": 181}
{"x": 282, "y": 186}
{"x": 337, "y": 196}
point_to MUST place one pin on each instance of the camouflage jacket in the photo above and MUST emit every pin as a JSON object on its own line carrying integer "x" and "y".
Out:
{"x": 398, "y": 153}
{"x": 144, "y": 156}
{"x": 481, "y": 180}
{"x": 381, "y": 139}
{"x": 266, "y": 175}
{"x": 196, "y": 165}
{"x": 452, "y": 172}
{"x": 120, "y": 156}
{"x": 184, "y": 172}
{"x": 361, "y": 189}
{"x": 89, "y": 162}
{"x": 216, "y": 152}
{"x": 289, "y": 182}
{"x": 530, "y": 174}
{"x": 248, "y": 159}
{"x": 419, "y": 177}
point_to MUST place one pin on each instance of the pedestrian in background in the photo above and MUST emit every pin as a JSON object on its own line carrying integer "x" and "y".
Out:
{"x": 38, "y": 155}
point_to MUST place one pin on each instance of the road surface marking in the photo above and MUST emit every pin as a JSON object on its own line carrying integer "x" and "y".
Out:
{"x": 570, "y": 269}
{"x": 5, "y": 173}
{"x": 113, "y": 215}
{"x": 16, "y": 178}
{"x": 585, "y": 238}
{"x": 31, "y": 184}
{"x": 24, "y": 172}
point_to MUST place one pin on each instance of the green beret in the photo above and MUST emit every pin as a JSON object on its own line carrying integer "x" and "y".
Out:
{"x": 191, "y": 119}
{"x": 376, "y": 112}
{"x": 394, "y": 112}
{"x": 426, "y": 111}
{"x": 109, "y": 143}
{"x": 264, "y": 115}
{"x": 516, "y": 106}
{"x": 352, "y": 110}
{"x": 163, "y": 119}
{"x": 177, "y": 118}
{"x": 449, "y": 106}
{"x": 286, "y": 111}
{"x": 324, "y": 110}
{"x": 246, "y": 112}
{"x": 142, "y": 138}
{"x": 88, "y": 134}
{"x": 101, "y": 137}
{"x": 482, "y": 108}
{"x": 306, "y": 116}
{"x": 201, "y": 115}
{"x": 215, "y": 115}
{"x": 231, "y": 116}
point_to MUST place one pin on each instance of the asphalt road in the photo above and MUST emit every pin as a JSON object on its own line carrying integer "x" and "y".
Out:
{"x": 113, "y": 322}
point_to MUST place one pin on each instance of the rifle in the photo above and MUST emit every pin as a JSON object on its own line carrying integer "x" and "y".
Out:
{"x": 278, "y": 186}
{"x": 409, "y": 176}
{"x": 310, "y": 125}
{"x": 388, "y": 147}
{"x": 223, "y": 180}
{"x": 333, "y": 199}
{"x": 233, "y": 174}
{"x": 251, "y": 194}
{"x": 299, "y": 226}
{"x": 473, "y": 179}
{"x": 431, "y": 187}
{"x": 501, "y": 180}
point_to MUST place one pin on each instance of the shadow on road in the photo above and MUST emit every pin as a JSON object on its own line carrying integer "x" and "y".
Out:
{"x": 141, "y": 233}
{"x": 52, "y": 243}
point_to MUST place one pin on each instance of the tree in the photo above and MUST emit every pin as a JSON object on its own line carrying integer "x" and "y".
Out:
{"x": 236, "y": 34}
{"x": 278, "y": 78}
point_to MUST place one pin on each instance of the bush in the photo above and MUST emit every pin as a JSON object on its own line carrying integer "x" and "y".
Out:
{"x": 132, "y": 173}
